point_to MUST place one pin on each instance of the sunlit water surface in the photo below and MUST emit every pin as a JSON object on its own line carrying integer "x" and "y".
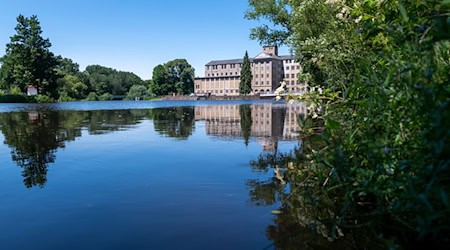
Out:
{"x": 139, "y": 175}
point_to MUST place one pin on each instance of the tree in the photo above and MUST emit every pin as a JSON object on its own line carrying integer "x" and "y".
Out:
{"x": 28, "y": 59}
{"x": 176, "y": 76}
{"x": 181, "y": 76}
{"x": 245, "y": 86}
{"x": 137, "y": 91}
{"x": 278, "y": 13}
{"x": 110, "y": 81}
{"x": 159, "y": 85}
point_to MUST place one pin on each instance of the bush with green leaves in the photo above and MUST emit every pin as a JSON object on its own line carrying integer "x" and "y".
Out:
{"x": 376, "y": 141}
{"x": 42, "y": 99}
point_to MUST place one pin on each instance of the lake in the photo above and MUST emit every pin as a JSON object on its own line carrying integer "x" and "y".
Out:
{"x": 140, "y": 175}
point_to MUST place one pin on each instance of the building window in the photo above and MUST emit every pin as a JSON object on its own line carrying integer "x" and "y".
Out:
{"x": 262, "y": 75}
{"x": 292, "y": 75}
{"x": 256, "y": 83}
{"x": 226, "y": 73}
{"x": 287, "y": 76}
{"x": 298, "y": 66}
{"x": 287, "y": 67}
{"x": 256, "y": 76}
{"x": 267, "y": 75}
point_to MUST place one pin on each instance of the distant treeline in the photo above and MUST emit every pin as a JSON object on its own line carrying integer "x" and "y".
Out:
{"x": 28, "y": 62}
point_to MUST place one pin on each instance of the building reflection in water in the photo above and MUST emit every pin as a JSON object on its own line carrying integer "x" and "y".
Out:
{"x": 269, "y": 123}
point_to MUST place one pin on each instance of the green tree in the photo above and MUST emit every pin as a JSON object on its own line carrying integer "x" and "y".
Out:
{"x": 28, "y": 59}
{"x": 278, "y": 13}
{"x": 245, "y": 86}
{"x": 104, "y": 80}
{"x": 137, "y": 91}
{"x": 160, "y": 82}
{"x": 176, "y": 76}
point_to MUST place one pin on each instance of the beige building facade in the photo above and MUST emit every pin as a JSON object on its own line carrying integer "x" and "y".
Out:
{"x": 268, "y": 121}
{"x": 222, "y": 77}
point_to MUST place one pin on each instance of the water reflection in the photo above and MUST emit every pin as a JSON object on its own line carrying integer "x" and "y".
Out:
{"x": 35, "y": 136}
{"x": 257, "y": 120}
{"x": 304, "y": 220}
{"x": 176, "y": 122}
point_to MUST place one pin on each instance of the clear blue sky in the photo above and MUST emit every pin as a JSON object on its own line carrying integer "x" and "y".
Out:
{"x": 137, "y": 35}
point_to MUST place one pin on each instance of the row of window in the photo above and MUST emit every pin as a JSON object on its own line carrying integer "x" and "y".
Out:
{"x": 220, "y": 79}
{"x": 224, "y": 66}
{"x": 292, "y": 82}
{"x": 233, "y": 66}
{"x": 291, "y": 76}
{"x": 293, "y": 67}
{"x": 221, "y": 91}
{"x": 226, "y": 74}
{"x": 262, "y": 75}
{"x": 262, "y": 83}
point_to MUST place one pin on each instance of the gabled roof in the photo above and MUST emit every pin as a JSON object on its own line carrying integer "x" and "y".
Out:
{"x": 265, "y": 56}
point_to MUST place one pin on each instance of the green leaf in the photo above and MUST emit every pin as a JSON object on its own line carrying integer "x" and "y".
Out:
{"x": 403, "y": 11}
{"x": 332, "y": 124}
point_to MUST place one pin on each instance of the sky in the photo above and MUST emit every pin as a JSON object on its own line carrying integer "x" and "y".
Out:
{"x": 137, "y": 35}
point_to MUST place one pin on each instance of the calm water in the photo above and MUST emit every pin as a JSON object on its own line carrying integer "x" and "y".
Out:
{"x": 139, "y": 175}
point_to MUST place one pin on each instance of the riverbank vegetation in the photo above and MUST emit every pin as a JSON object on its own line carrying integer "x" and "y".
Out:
{"x": 375, "y": 145}
{"x": 28, "y": 62}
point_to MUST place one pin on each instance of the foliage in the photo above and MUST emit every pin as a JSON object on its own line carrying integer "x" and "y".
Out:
{"x": 28, "y": 59}
{"x": 278, "y": 13}
{"x": 92, "y": 97}
{"x": 159, "y": 84}
{"x": 245, "y": 86}
{"x": 107, "y": 80}
{"x": 376, "y": 142}
{"x": 42, "y": 99}
{"x": 137, "y": 91}
{"x": 176, "y": 76}
{"x": 105, "y": 97}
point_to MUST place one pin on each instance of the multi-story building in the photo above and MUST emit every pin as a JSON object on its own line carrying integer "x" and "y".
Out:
{"x": 222, "y": 77}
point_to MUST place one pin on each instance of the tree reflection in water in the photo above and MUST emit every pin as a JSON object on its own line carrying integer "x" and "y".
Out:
{"x": 176, "y": 122}
{"x": 305, "y": 221}
{"x": 34, "y": 137}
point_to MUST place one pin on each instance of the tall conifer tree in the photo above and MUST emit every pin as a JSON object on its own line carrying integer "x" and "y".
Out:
{"x": 245, "y": 86}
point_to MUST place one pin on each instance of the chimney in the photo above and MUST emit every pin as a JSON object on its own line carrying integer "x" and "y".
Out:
{"x": 271, "y": 50}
